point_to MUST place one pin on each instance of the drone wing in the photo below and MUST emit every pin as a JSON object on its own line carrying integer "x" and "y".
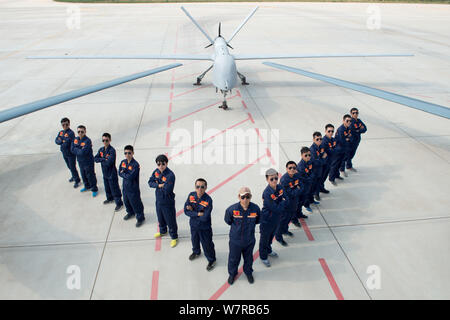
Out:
{"x": 291, "y": 56}
{"x": 148, "y": 56}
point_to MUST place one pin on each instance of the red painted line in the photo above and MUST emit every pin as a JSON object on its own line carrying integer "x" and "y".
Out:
{"x": 306, "y": 229}
{"x": 243, "y": 103}
{"x": 170, "y": 108}
{"x": 209, "y": 138}
{"x": 167, "y": 138}
{"x": 190, "y": 91}
{"x": 179, "y": 213}
{"x": 226, "y": 285}
{"x": 238, "y": 93}
{"x": 331, "y": 280}
{"x": 259, "y": 135}
{"x": 269, "y": 154}
{"x": 201, "y": 109}
{"x": 250, "y": 117}
{"x": 158, "y": 241}
{"x": 172, "y": 85}
{"x": 155, "y": 280}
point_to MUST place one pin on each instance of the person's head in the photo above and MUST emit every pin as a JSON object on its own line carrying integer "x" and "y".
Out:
{"x": 65, "y": 123}
{"x": 106, "y": 138}
{"x": 200, "y": 186}
{"x": 291, "y": 168}
{"x": 244, "y": 195}
{"x": 272, "y": 178}
{"x": 354, "y": 112}
{"x": 306, "y": 154}
{"x": 128, "y": 152}
{"x": 329, "y": 130}
{"x": 346, "y": 120}
{"x": 81, "y": 130}
{"x": 317, "y": 138}
{"x": 161, "y": 162}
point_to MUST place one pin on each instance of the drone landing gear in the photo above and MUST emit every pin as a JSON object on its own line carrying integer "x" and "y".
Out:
{"x": 200, "y": 77}
{"x": 224, "y": 105}
{"x": 242, "y": 77}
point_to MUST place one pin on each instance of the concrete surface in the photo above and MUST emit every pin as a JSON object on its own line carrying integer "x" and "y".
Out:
{"x": 392, "y": 214}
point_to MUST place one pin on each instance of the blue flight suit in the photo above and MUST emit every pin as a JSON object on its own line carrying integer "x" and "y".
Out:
{"x": 82, "y": 148}
{"x": 242, "y": 236}
{"x": 274, "y": 206}
{"x": 319, "y": 166}
{"x": 358, "y": 127}
{"x": 328, "y": 145}
{"x": 64, "y": 140}
{"x": 343, "y": 137}
{"x": 165, "y": 201}
{"x": 201, "y": 229}
{"x": 336, "y": 156}
{"x": 308, "y": 177}
{"x": 293, "y": 190}
{"x": 107, "y": 158}
{"x": 130, "y": 188}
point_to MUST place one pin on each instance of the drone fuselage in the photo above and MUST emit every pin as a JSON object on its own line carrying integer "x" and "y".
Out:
{"x": 224, "y": 67}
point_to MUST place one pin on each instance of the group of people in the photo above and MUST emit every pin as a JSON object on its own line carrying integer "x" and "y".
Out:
{"x": 328, "y": 157}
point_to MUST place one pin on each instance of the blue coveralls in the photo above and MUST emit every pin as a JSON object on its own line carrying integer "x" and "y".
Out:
{"x": 293, "y": 190}
{"x": 242, "y": 236}
{"x": 308, "y": 178}
{"x": 336, "y": 157}
{"x": 319, "y": 166}
{"x": 64, "y": 140}
{"x": 343, "y": 138}
{"x": 358, "y": 127}
{"x": 274, "y": 206}
{"x": 328, "y": 146}
{"x": 82, "y": 148}
{"x": 130, "y": 188}
{"x": 165, "y": 201}
{"x": 107, "y": 158}
{"x": 201, "y": 230}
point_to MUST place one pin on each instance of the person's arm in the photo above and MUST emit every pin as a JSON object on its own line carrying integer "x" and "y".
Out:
{"x": 98, "y": 157}
{"x": 58, "y": 139}
{"x": 130, "y": 174}
{"x": 74, "y": 148}
{"x": 258, "y": 215}
{"x": 120, "y": 170}
{"x": 287, "y": 188}
{"x": 229, "y": 216}
{"x": 110, "y": 161}
{"x": 270, "y": 204}
{"x": 169, "y": 184}
{"x": 207, "y": 211}
{"x": 340, "y": 136}
{"x": 363, "y": 128}
{"x": 84, "y": 150}
{"x": 189, "y": 213}
{"x": 153, "y": 181}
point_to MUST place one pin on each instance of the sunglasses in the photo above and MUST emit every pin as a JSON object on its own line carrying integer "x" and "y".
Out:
{"x": 318, "y": 139}
{"x": 200, "y": 187}
{"x": 125, "y": 153}
{"x": 80, "y": 131}
{"x": 104, "y": 140}
{"x": 308, "y": 155}
{"x": 292, "y": 168}
{"x": 246, "y": 196}
{"x": 161, "y": 164}
{"x": 348, "y": 120}
{"x": 330, "y": 131}
{"x": 65, "y": 123}
{"x": 273, "y": 179}
{"x": 355, "y": 112}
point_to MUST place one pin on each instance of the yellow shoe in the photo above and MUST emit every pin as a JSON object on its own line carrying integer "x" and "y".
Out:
{"x": 173, "y": 243}
{"x": 159, "y": 235}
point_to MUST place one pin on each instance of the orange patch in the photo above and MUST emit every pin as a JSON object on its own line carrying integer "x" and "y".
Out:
{"x": 130, "y": 168}
{"x": 83, "y": 144}
{"x": 273, "y": 196}
{"x": 124, "y": 165}
{"x": 281, "y": 192}
{"x": 204, "y": 203}
{"x": 192, "y": 199}
{"x": 306, "y": 170}
{"x": 296, "y": 182}
{"x": 101, "y": 154}
{"x": 310, "y": 166}
{"x": 157, "y": 174}
{"x": 66, "y": 135}
{"x": 253, "y": 214}
{"x": 164, "y": 179}
{"x": 60, "y": 133}
{"x": 75, "y": 141}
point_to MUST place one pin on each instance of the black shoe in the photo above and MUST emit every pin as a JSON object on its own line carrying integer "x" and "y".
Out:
{"x": 71, "y": 179}
{"x": 76, "y": 185}
{"x": 290, "y": 234}
{"x": 139, "y": 223}
{"x": 107, "y": 201}
{"x": 296, "y": 223}
{"x": 317, "y": 197}
{"x": 333, "y": 183}
{"x": 302, "y": 216}
{"x": 324, "y": 191}
{"x": 283, "y": 243}
{"x": 340, "y": 178}
{"x": 250, "y": 278}
{"x": 128, "y": 216}
{"x": 231, "y": 279}
{"x": 118, "y": 208}
{"x": 211, "y": 265}
{"x": 193, "y": 256}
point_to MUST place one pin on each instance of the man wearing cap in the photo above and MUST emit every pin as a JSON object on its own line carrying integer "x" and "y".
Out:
{"x": 64, "y": 140}
{"x": 274, "y": 206}
{"x": 163, "y": 180}
{"x": 358, "y": 128}
{"x": 243, "y": 218}
{"x": 198, "y": 207}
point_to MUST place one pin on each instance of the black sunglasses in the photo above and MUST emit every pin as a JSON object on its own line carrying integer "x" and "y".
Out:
{"x": 104, "y": 140}
{"x": 308, "y": 155}
{"x": 318, "y": 139}
{"x": 330, "y": 131}
{"x": 81, "y": 131}
{"x": 246, "y": 196}
{"x": 200, "y": 187}
{"x": 348, "y": 120}
{"x": 125, "y": 153}
{"x": 273, "y": 178}
{"x": 161, "y": 164}
{"x": 292, "y": 168}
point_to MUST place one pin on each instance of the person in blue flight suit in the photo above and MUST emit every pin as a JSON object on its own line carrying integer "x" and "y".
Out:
{"x": 328, "y": 144}
{"x": 344, "y": 140}
{"x": 334, "y": 152}
{"x": 129, "y": 170}
{"x": 82, "y": 148}
{"x": 274, "y": 206}
{"x": 243, "y": 218}
{"x": 319, "y": 158}
{"x": 163, "y": 180}
{"x": 64, "y": 140}
{"x": 358, "y": 127}
{"x": 198, "y": 207}
{"x": 106, "y": 156}
{"x": 290, "y": 182}
{"x": 306, "y": 171}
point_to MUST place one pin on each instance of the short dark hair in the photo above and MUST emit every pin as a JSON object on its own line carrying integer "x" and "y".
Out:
{"x": 82, "y": 127}
{"x": 290, "y": 162}
{"x": 317, "y": 134}
{"x": 353, "y": 109}
{"x": 65, "y": 120}
{"x": 201, "y": 180}
{"x": 346, "y": 117}
{"x": 107, "y": 135}
{"x": 304, "y": 150}
{"x": 162, "y": 158}
{"x": 129, "y": 147}
{"x": 329, "y": 126}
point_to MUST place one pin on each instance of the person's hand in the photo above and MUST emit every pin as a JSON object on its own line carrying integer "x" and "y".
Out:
{"x": 325, "y": 155}
{"x": 160, "y": 185}
{"x": 200, "y": 213}
{"x": 189, "y": 208}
